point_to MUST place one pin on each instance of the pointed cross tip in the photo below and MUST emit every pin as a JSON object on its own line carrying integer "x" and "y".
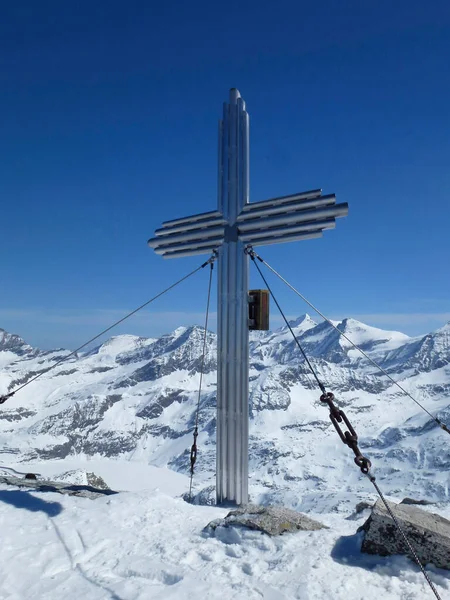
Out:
{"x": 234, "y": 95}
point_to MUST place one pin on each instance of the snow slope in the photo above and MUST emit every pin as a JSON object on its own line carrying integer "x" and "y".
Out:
{"x": 149, "y": 545}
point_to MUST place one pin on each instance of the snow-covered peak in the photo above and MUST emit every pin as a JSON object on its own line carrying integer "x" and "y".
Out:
{"x": 302, "y": 323}
{"x": 12, "y": 347}
{"x": 11, "y": 341}
{"x": 444, "y": 330}
{"x": 299, "y": 326}
{"x": 327, "y": 342}
{"x": 360, "y": 334}
{"x": 178, "y": 332}
{"x": 426, "y": 353}
{"x": 123, "y": 343}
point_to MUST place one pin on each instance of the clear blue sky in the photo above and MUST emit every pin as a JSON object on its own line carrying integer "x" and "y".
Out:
{"x": 108, "y": 121}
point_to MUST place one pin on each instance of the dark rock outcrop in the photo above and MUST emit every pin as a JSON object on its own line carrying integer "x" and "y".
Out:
{"x": 428, "y": 533}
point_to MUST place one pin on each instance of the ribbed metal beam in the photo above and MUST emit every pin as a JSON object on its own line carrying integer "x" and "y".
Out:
{"x": 339, "y": 210}
{"x": 191, "y": 252}
{"x": 206, "y": 215}
{"x": 194, "y": 234}
{"x": 200, "y": 225}
{"x": 282, "y": 200}
{"x": 211, "y": 243}
{"x": 248, "y": 236}
{"x": 281, "y": 209}
{"x": 267, "y": 241}
{"x": 232, "y": 339}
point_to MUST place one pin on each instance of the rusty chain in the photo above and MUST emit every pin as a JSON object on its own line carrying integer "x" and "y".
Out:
{"x": 349, "y": 437}
{"x": 194, "y": 451}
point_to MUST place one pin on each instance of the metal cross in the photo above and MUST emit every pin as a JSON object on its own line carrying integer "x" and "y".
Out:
{"x": 235, "y": 225}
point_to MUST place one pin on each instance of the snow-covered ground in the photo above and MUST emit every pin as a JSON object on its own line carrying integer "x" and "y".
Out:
{"x": 149, "y": 544}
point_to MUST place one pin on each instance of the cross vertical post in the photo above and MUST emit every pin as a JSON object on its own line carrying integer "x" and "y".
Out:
{"x": 232, "y": 311}
{"x": 229, "y": 230}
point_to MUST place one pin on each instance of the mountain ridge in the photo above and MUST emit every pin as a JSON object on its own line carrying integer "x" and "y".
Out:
{"x": 136, "y": 397}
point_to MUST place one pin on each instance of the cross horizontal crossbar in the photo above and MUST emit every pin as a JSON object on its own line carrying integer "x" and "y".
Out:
{"x": 279, "y": 209}
{"x": 195, "y": 235}
{"x": 206, "y": 215}
{"x": 288, "y": 229}
{"x": 296, "y": 217}
{"x": 268, "y": 240}
{"x": 208, "y": 244}
{"x": 282, "y": 200}
{"x": 192, "y": 224}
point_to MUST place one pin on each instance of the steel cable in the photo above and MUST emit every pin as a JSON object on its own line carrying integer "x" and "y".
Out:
{"x": 374, "y": 363}
{"x": 404, "y": 536}
{"x": 194, "y": 445}
{"x": 133, "y": 312}
{"x": 349, "y": 438}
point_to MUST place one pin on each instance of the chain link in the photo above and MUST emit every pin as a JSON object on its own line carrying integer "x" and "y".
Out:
{"x": 349, "y": 437}
{"x": 194, "y": 451}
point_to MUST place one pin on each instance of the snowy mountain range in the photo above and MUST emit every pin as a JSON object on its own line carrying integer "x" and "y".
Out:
{"x": 135, "y": 398}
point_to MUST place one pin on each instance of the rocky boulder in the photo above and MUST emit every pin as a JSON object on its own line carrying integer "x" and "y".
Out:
{"x": 428, "y": 533}
{"x": 267, "y": 519}
{"x": 81, "y": 477}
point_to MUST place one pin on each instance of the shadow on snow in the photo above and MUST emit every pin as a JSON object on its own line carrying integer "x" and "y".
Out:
{"x": 20, "y": 499}
{"x": 347, "y": 551}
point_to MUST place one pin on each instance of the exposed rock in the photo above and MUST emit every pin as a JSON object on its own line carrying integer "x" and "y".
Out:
{"x": 96, "y": 481}
{"x": 13, "y": 343}
{"x": 101, "y": 369}
{"x": 412, "y": 501}
{"x": 362, "y": 506}
{"x": 359, "y": 508}
{"x": 428, "y": 533}
{"x": 16, "y": 414}
{"x": 206, "y": 496}
{"x": 271, "y": 395}
{"x": 267, "y": 519}
{"x": 67, "y": 372}
{"x": 81, "y": 477}
{"x": 155, "y": 407}
{"x": 86, "y": 491}
{"x": 79, "y": 417}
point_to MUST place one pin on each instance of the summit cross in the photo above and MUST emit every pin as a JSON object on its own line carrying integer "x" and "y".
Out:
{"x": 229, "y": 230}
